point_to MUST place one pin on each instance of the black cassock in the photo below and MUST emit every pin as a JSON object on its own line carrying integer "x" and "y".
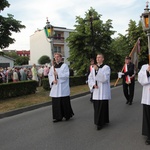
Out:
{"x": 62, "y": 108}
{"x": 146, "y": 121}
{"x": 61, "y": 105}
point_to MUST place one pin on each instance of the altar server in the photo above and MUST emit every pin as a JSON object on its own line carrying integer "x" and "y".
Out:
{"x": 60, "y": 90}
{"x": 99, "y": 84}
{"x": 144, "y": 80}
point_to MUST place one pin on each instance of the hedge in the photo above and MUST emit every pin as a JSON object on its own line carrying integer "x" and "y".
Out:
{"x": 74, "y": 81}
{"x": 8, "y": 90}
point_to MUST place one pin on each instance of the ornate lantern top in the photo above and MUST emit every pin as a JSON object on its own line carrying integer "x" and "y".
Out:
{"x": 145, "y": 18}
{"x": 48, "y": 29}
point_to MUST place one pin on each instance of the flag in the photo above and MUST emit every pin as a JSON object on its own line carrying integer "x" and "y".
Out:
{"x": 134, "y": 55}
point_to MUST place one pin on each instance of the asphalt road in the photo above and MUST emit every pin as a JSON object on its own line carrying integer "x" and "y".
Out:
{"x": 34, "y": 130}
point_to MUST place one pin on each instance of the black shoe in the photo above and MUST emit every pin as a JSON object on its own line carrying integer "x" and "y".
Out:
{"x": 147, "y": 142}
{"x": 99, "y": 127}
{"x": 130, "y": 103}
{"x": 57, "y": 120}
{"x": 67, "y": 119}
{"x": 127, "y": 102}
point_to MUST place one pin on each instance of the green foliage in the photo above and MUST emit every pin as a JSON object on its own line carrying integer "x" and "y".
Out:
{"x": 12, "y": 54}
{"x": 123, "y": 45}
{"x": 9, "y": 90}
{"x": 22, "y": 60}
{"x": 84, "y": 43}
{"x": 74, "y": 81}
{"x": 4, "y": 3}
{"x": 44, "y": 59}
{"x": 8, "y": 26}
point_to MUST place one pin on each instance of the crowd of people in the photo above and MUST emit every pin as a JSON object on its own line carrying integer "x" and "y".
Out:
{"x": 16, "y": 74}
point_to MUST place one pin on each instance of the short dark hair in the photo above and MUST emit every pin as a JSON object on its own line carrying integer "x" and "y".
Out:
{"x": 128, "y": 57}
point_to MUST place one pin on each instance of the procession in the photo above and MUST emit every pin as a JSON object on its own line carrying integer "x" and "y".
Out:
{"x": 114, "y": 110}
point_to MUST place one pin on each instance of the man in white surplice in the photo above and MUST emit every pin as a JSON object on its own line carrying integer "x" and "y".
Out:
{"x": 144, "y": 80}
{"x": 60, "y": 90}
{"x": 99, "y": 83}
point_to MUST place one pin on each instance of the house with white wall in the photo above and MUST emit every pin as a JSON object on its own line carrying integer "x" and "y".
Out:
{"x": 40, "y": 45}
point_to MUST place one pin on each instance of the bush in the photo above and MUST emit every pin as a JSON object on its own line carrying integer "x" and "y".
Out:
{"x": 8, "y": 90}
{"x": 74, "y": 81}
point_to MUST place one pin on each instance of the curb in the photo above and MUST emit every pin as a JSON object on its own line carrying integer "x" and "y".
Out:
{"x": 33, "y": 107}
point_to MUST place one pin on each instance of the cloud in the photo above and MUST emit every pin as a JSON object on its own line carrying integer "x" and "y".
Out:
{"x": 33, "y": 14}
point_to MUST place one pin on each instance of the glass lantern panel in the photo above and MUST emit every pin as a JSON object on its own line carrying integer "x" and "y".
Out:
{"x": 146, "y": 21}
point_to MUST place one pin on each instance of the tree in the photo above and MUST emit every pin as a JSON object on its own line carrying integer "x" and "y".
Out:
{"x": 7, "y": 26}
{"x": 134, "y": 32}
{"x": 12, "y": 54}
{"x": 83, "y": 43}
{"x": 120, "y": 49}
{"x": 22, "y": 60}
{"x": 44, "y": 59}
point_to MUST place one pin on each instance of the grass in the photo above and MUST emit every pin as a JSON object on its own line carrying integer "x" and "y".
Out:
{"x": 40, "y": 96}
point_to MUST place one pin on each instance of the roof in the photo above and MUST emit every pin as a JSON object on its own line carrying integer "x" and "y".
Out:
{"x": 8, "y": 57}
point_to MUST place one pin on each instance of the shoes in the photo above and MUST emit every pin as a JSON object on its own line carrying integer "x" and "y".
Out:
{"x": 147, "y": 142}
{"x": 57, "y": 120}
{"x": 130, "y": 103}
{"x": 67, "y": 119}
{"x": 99, "y": 127}
{"x": 127, "y": 102}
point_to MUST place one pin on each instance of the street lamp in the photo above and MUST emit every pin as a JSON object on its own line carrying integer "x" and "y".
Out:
{"x": 145, "y": 20}
{"x": 91, "y": 19}
{"x": 49, "y": 31}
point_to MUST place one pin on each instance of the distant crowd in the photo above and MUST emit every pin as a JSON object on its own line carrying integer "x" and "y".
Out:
{"x": 16, "y": 74}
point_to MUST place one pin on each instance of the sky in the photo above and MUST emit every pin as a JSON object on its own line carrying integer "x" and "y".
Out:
{"x": 62, "y": 13}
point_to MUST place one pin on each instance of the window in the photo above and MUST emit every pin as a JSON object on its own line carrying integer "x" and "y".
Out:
{"x": 57, "y": 49}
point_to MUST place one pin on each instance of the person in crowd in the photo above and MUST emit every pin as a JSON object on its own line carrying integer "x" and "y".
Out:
{"x": 29, "y": 74}
{"x": 19, "y": 75}
{"x": 23, "y": 74}
{"x": 128, "y": 80}
{"x": 144, "y": 80}
{"x": 99, "y": 84}
{"x": 1, "y": 77}
{"x": 10, "y": 75}
{"x": 15, "y": 76}
{"x": 34, "y": 73}
{"x": 46, "y": 71}
{"x": 2, "y": 74}
{"x": 60, "y": 90}
{"x": 92, "y": 63}
{"x": 40, "y": 74}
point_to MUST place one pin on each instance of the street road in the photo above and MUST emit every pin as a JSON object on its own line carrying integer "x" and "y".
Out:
{"x": 34, "y": 130}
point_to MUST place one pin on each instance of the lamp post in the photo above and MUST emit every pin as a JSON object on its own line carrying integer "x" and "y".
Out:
{"x": 91, "y": 19}
{"x": 49, "y": 31}
{"x": 145, "y": 20}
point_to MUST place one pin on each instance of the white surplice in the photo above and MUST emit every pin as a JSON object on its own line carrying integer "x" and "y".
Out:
{"x": 145, "y": 82}
{"x": 103, "y": 81}
{"x": 61, "y": 89}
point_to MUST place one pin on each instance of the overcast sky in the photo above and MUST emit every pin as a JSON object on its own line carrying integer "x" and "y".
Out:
{"x": 33, "y": 13}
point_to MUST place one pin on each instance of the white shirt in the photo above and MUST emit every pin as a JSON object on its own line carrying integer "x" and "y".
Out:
{"x": 145, "y": 82}
{"x": 62, "y": 88}
{"x": 103, "y": 81}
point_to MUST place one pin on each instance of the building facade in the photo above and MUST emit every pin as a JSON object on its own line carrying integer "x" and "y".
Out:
{"x": 40, "y": 45}
{"x": 23, "y": 53}
{"x": 6, "y": 61}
